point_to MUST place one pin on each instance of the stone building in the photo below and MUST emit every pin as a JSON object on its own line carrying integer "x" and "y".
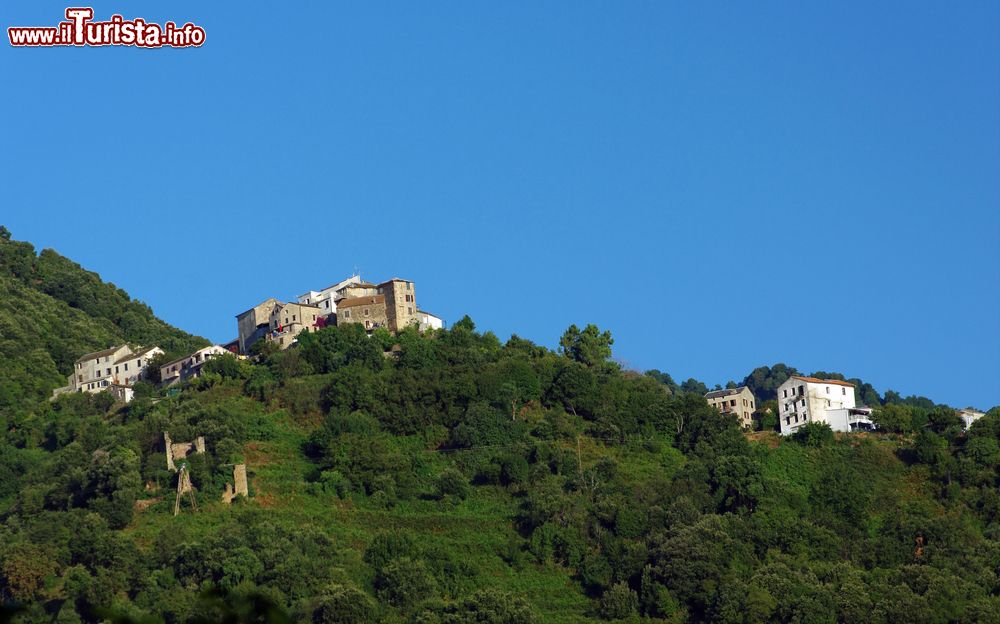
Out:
{"x": 400, "y": 303}
{"x": 255, "y": 323}
{"x": 739, "y": 402}
{"x": 288, "y": 320}
{"x": 369, "y": 311}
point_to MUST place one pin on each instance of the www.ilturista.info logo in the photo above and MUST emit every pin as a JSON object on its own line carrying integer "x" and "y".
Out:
{"x": 79, "y": 29}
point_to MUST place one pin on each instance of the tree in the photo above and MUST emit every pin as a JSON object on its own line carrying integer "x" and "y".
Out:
{"x": 4, "y": 233}
{"x": 814, "y": 434}
{"x": 665, "y": 379}
{"x": 451, "y": 482}
{"x": 404, "y": 582}
{"x": 693, "y": 386}
{"x": 619, "y": 602}
{"x": 590, "y": 347}
{"x": 344, "y": 605}
{"x": 893, "y": 417}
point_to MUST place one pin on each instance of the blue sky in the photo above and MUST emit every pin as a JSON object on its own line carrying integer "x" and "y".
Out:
{"x": 721, "y": 186}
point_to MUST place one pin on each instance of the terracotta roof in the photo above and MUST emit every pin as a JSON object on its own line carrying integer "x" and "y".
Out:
{"x": 360, "y": 301}
{"x": 99, "y": 354}
{"x": 715, "y": 394}
{"x": 835, "y": 382}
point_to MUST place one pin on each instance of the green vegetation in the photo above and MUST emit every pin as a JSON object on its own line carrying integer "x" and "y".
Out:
{"x": 52, "y": 312}
{"x": 459, "y": 479}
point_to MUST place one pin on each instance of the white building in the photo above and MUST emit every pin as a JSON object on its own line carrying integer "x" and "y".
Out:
{"x": 831, "y": 401}
{"x": 326, "y": 299}
{"x": 116, "y": 369}
{"x": 189, "y": 366}
{"x": 969, "y": 416}
{"x": 429, "y": 321}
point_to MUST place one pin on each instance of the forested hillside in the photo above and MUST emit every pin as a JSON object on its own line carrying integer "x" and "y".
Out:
{"x": 450, "y": 477}
{"x": 52, "y": 311}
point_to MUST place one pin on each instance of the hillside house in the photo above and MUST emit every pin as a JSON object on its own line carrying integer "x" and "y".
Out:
{"x": 831, "y": 401}
{"x": 427, "y": 321}
{"x": 969, "y": 416}
{"x": 288, "y": 320}
{"x": 370, "y": 311}
{"x": 254, "y": 324}
{"x": 115, "y": 369}
{"x": 739, "y": 402}
{"x": 189, "y": 366}
{"x": 326, "y": 299}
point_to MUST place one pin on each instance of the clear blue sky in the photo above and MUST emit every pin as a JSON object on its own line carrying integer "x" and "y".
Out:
{"x": 720, "y": 186}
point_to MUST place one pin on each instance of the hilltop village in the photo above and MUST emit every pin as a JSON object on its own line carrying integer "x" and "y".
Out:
{"x": 391, "y": 305}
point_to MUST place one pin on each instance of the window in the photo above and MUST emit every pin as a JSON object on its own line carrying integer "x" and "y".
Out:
{"x": 98, "y": 373}
{"x": 116, "y": 370}
{"x": 843, "y": 390}
{"x": 138, "y": 363}
{"x": 79, "y": 379}
{"x": 784, "y": 394}
{"x": 828, "y": 402}
{"x": 126, "y": 365}
{"x": 409, "y": 310}
{"x": 733, "y": 402}
{"x": 803, "y": 402}
{"x": 293, "y": 318}
{"x": 828, "y": 389}
{"x": 109, "y": 372}
{"x": 347, "y": 314}
{"x": 368, "y": 312}
{"x": 326, "y": 304}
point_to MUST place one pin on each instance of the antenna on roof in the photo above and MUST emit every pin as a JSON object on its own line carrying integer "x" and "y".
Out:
{"x": 357, "y": 272}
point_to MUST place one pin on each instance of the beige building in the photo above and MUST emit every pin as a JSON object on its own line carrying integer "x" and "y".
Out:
{"x": 400, "y": 303}
{"x": 369, "y": 311}
{"x": 254, "y": 323}
{"x": 116, "y": 369}
{"x": 189, "y": 366}
{"x": 288, "y": 320}
{"x": 739, "y": 402}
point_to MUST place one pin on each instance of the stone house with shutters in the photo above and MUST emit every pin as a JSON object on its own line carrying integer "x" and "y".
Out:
{"x": 368, "y": 311}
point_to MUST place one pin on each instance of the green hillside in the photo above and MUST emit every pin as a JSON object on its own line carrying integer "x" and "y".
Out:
{"x": 450, "y": 477}
{"x": 52, "y": 311}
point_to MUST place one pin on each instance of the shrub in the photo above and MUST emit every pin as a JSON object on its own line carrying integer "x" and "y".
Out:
{"x": 814, "y": 434}
{"x": 451, "y": 482}
{"x": 619, "y": 602}
{"x": 404, "y": 582}
{"x": 344, "y": 605}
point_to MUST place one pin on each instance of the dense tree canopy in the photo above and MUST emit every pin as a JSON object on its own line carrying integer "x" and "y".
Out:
{"x": 449, "y": 477}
